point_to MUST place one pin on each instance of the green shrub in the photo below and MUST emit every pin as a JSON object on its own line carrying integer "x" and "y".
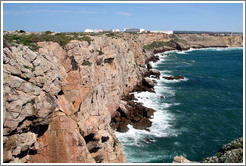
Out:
{"x": 20, "y": 31}
{"x": 5, "y": 44}
{"x": 238, "y": 145}
{"x": 87, "y": 38}
{"x": 30, "y": 68}
{"x": 219, "y": 154}
{"x": 100, "y": 52}
{"x": 115, "y": 144}
{"x": 110, "y": 34}
{"x": 47, "y": 32}
{"x": 157, "y": 44}
{"x": 86, "y": 63}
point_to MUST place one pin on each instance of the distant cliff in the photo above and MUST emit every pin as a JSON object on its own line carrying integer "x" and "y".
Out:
{"x": 59, "y": 100}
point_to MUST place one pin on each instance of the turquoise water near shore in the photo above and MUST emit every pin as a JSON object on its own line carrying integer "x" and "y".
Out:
{"x": 194, "y": 116}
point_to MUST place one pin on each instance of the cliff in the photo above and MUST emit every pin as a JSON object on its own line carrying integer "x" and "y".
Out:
{"x": 59, "y": 101}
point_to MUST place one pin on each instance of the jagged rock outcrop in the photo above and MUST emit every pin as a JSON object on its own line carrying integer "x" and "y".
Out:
{"x": 58, "y": 102}
{"x": 229, "y": 153}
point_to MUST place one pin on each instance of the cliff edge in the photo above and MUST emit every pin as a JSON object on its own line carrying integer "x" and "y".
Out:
{"x": 59, "y": 100}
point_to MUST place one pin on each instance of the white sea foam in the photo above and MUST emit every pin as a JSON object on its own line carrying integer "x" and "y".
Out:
{"x": 210, "y": 48}
{"x": 173, "y": 81}
{"x": 163, "y": 119}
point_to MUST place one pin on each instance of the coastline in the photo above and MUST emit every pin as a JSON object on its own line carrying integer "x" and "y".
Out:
{"x": 153, "y": 63}
{"x": 83, "y": 106}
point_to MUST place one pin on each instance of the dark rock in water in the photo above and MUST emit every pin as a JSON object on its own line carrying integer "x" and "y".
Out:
{"x": 179, "y": 77}
{"x": 122, "y": 128}
{"x": 130, "y": 112}
{"x": 142, "y": 124}
{"x": 148, "y": 82}
{"x": 162, "y": 97}
{"x": 146, "y": 74}
{"x": 149, "y": 66}
{"x": 155, "y": 72}
{"x": 148, "y": 112}
{"x": 154, "y": 58}
{"x": 148, "y": 140}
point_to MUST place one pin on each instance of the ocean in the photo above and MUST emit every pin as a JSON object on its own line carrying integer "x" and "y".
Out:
{"x": 196, "y": 116}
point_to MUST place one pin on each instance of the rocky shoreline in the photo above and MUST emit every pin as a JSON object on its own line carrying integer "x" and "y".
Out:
{"x": 134, "y": 113}
{"x": 59, "y": 99}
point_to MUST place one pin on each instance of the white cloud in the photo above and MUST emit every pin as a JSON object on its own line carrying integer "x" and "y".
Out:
{"x": 123, "y": 13}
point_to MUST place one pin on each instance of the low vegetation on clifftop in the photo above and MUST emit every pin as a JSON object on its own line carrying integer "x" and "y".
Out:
{"x": 32, "y": 38}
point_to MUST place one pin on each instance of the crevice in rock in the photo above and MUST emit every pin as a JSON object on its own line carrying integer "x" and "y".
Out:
{"x": 105, "y": 139}
{"x": 40, "y": 129}
{"x": 99, "y": 158}
{"x": 108, "y": 60}
{"x": 60, "y": 92}
{"x": 94, "y": 149}
{"x": 89, "y": 138}
{"x": 30, "y": 118}
{"x": 22, "y": 154}
{"x": 32, "y": 152}
{"x": 19, "y": 76}
{"x": 26, "y": 152}
{"x": 74, "y": 64}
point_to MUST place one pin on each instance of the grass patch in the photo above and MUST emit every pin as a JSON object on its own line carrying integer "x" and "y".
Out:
{"x": 115, "y": 144}
{"x": 87, "y": 38}
{"x": 158, "y": 44}
{"x": 238, "y": 145}
{"x": 86, "y": 63}
{"x": 219, "y": 154}
{"x": 100, "y": 52}
{"x": 110, "y": 34}
{"x": 30, "y": 68}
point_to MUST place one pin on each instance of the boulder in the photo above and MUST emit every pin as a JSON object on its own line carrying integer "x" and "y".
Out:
{"x": 142, "y": 124}
{"x": 148, "y": 82}
{"x": 181, "y": 159}
{"x": 149, "y": 66}
{"x": 179, "y": 77}
{"x": 155, "y": 72}
{"x": 122, "y": 128}
{"x": 148, "y": 140}
{"x": 148, "y": 112}
{"x": 123, "y": 110}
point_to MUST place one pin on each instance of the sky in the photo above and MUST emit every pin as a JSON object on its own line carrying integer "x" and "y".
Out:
{"x": 76, "y": 17}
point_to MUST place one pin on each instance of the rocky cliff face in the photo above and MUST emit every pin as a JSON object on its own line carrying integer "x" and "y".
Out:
{"x": 58, "y": 102}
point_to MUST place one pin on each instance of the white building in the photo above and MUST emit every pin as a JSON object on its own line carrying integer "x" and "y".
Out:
{"x": 134, "y": 30}
{"x": 89, "y": 30}
{"x": 166, "y": 32}
{"x": 115, "y": 30}
{"x": 97, "y": 30}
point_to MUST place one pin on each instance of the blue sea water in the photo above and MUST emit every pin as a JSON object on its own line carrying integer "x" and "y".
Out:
{"x": 194, "y": 116}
